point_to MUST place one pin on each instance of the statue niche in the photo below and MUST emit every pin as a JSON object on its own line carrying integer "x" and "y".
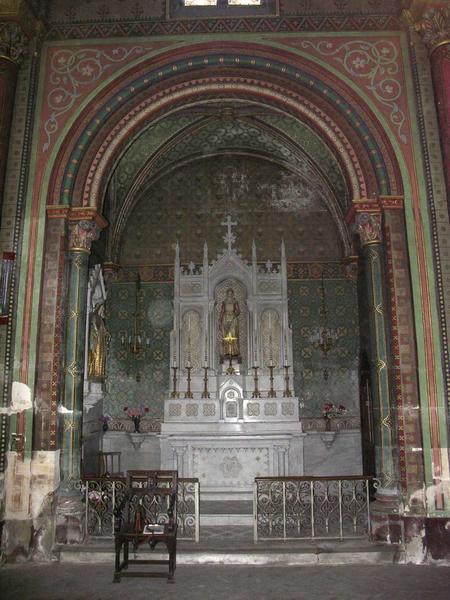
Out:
{"x": 231, "y": 336}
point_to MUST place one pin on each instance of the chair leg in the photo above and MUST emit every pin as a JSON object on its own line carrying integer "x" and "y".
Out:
{"x": 125, "y": 554}
{"x": 172, "y": 548}
{"x": 116, "y": 578}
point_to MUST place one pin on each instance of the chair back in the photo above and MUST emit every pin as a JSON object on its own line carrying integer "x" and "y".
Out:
{"x": 150, "y": 498}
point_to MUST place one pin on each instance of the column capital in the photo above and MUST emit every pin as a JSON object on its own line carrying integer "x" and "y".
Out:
{"x": 109, "y": 270}
{"x": 362, "y": 205}
{"x": 351, "y": 266}
{"x": 85, "y": 225}
{"x": 368, "y": 227}
{"x": 13, "y": 42}
{"x": 434, "y": 26}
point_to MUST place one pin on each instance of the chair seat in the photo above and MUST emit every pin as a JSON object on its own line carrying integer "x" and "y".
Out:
{"x": 168, "y": 531}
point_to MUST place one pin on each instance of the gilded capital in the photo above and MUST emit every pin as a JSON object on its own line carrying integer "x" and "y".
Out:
{"x": 13, "y": 43}
{"x": 434, "y": 26}
{"x": 368, "y": 227}
{"x": 82, "y": 234}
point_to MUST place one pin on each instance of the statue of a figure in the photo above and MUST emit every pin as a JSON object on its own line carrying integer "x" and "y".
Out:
{"x": 98, "y": 343}
{"x": 229, "y": 326}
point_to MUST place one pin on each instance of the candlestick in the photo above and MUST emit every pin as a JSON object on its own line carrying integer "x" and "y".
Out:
{"x": 287, "y": 391}
{"x": 174, "y": 393}
{"x": 188, "y": 393}
{"x": 256, "y": 392}
{"x": 271, "y": 393}
{"x": 205, "y": 393}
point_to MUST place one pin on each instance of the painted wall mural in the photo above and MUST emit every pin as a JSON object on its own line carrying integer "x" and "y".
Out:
{"x": 317, "y": 379}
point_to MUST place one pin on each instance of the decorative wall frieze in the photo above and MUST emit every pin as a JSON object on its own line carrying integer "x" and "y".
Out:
{"x": 13, "y": 42}
{"x": 434, "y": 26}
{"x": 204, "y": 26}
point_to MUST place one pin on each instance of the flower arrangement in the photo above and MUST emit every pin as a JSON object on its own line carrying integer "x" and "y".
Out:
{"x": 105, "y": 419}
{"x": 331, "y": 411}
{"x": 135, "y": 414}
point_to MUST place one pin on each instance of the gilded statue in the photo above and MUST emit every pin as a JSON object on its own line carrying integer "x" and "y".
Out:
{"x": 98, "y": 344}
{"x": 229, "y": 326}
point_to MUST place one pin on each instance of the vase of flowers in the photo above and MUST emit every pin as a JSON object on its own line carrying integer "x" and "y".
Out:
{"x": 105, "y": 419}
{"x": 331, "y": 411}
{"x": 136, "y": 414}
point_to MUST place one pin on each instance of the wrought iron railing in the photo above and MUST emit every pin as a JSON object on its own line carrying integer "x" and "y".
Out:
{"x": 102, "y": 494}
{"x": 311, "y": 507}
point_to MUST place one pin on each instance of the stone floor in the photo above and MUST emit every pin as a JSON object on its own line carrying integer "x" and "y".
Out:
{"x": 57, "y": 581}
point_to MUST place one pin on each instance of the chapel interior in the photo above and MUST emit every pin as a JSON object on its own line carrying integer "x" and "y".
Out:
{"x": 225, "y": 235}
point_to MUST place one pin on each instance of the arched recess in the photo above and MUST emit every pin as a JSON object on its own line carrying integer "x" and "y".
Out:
{"x": 109, "y": 123}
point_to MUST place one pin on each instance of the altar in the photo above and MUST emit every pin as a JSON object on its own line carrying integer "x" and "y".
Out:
{"x": 231, "y": 414}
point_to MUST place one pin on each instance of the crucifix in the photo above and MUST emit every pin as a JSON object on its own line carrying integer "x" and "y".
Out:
{"x": 229, "y": 238}
{"x": 230, "y": 339}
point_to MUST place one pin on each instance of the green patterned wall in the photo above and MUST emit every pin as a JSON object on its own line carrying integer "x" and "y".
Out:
{"x": 341, "y": 364}
{"x": 155, "y": 304}
{"x": 155, "y": 312}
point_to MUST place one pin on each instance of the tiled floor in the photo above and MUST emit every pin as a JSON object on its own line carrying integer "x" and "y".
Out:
{"x": 356, "y": 582}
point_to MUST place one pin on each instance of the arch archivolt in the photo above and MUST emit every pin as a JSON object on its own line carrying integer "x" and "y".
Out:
{"x": 141, "y": 114}
{"x": 367, "y": 159}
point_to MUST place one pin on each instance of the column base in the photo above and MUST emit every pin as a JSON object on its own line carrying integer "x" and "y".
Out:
{"x": 16, "y": 540}
{"x": 70, "y": 520}
{"x": 384, "y": 516}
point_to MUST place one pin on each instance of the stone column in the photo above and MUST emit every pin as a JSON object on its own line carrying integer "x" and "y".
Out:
{"x": 81, "y": 235}
{"x": 84, "y": 227}
{"x": 12, "y": 50}
{"x": 368, "y": 226}
{"x": 434, "y": 28}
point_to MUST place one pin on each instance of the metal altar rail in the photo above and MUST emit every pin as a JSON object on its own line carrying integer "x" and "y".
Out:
{"x": 311, "y": 507}
{"x": 102, "y": 494}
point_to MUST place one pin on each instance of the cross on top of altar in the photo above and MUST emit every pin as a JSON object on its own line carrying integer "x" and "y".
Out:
{"x": 229, "y": 238}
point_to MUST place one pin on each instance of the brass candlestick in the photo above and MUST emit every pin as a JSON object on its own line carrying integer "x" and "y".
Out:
{"x": 188, "y": 393}
{"x": 256, "y": 392}
{"x": 272, "y": 393}
{"x": 205, "y": 393}
{"x": 287, "y": 391}
{"x": 174, "y": 393}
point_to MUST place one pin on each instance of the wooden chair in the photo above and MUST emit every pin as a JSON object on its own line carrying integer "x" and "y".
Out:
{"x": 108, "y": 464}
{"x": 147, "y": 515}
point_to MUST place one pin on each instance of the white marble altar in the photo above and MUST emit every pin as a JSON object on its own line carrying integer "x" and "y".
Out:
{"x": 231, "y": 416}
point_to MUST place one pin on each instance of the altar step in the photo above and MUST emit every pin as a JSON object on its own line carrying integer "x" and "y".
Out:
{"x": 234, "y": 546}
{"x": 219, "y": 513}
